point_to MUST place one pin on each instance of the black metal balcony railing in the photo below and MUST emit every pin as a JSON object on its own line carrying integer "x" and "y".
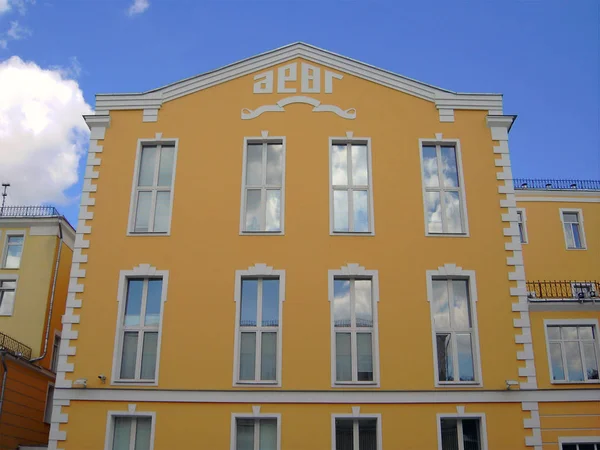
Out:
{"x": 14, "y": 347}
{"x": 561, "y": 291}
{"x": 556, "y": 185}
{"x": 29, "y": 211}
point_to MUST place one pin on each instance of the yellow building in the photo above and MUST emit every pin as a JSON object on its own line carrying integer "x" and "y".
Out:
{"x": 302, "y": 251}
{"x": 36, "y": 248}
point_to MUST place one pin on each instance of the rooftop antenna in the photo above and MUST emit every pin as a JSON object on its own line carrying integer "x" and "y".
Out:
{"x": 5, "y": 186}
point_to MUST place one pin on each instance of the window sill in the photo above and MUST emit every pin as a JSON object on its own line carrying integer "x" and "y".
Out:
{"x": 134, "y": 383}
{"x": 575, "y": 382}
{"x": 577, "y": 249}
{"x": 352, "y": 233}
{"x": 132, "y": 233}
{"x": 345, "y": 384}
{"x": 257, "y": 383}
{"x": 458, "y": 384}
{"x": 452, "y": 235}
{"x": 10, "y": 268}
{"x": 6, "y": 315}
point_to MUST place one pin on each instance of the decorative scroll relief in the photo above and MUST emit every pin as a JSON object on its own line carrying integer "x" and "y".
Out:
{"x": 248, "y": 114}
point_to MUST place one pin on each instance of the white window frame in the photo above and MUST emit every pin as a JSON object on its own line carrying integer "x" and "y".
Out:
{"x": 14, "y": 278}
{"x": 55, "y": 351}
{"x": 579, "y": 213}
{"x": 254, "y": 415}
{"x": 7, "y": 235}
{"x": 350, "y": 187}
{"x": 451, "y": 271}
{"x": 460, "y": 416}
{"x": 355, "y": 416}
{"x": 357, "y": 272}
{"x": 572, "y": 323}
{"x": 46, "y": 418}
{"x": 257, "y": 271}
{"x": 134, "y": 186}
{"x": 522, "y": 224}
{"x": 142, "y": 271}
{"x": 578, "y": 440}
{"x": 264, "y": 141}
{"x": 131, "y": 413}
{"x": 461, "y": 190}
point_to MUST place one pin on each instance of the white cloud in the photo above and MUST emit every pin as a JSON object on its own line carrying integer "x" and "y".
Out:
{"x": 3, "y": 44}
{"x": 20, "y": 5}
{"x": 16, "y": 31}
{"x": 138, "y": 7}
{"x": 4, "y": 6}
{"x": 73, "y": 70}
{"x": 42, "y": 133}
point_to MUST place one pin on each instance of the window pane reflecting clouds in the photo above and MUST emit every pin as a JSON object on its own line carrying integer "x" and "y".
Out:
{"x": 147, "y": 166}
{"x": 341, "y": 303}
{"x": 130, "y": 342}
{"x": 441, "y": 310}
{"x": 360, "y": 174}
{"x": 268, "y": 434}
{"x": 465, "y": 357}
{"x": 452, "y": 208}
{"x": 340, "y": 211}
{"x": 247, "y": 356}
{"x": 254, "y": 165}
{"x": 153, "y": 302}
{"x": 591, "y": 361}
{"x": 268, "y": 366}
{"x": 339, "y": 165}
{"x": 244, "y": 434}
{"x": 253, "y": 210}
{"x": 433, "y": 211}
{"x": 142, "y": 217}
{"x": 574, "y": 366}
{"x": 558, "y": 370}
{"x": 133, "y": 306}
{"x": 122, "y": 433}
{"x": 249, "y": 303}
{"x": 142, "y": 435}
{"x": 444, "y": 354}
{"x": 343, "y": 357}
{"x": 554, "y": 332}
{"x": 274, "y": 164}
{"x": 165, "y": 170}
{"x": 361, "y": 211}
{"x": 461, "y": 315}
{"x": 273, "y": 210}
{"x": 430, "y": 169}
{"x": 449, "y": 167}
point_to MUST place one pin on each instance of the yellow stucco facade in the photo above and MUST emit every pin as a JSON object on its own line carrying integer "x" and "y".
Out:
{"x": 194, "y": 395}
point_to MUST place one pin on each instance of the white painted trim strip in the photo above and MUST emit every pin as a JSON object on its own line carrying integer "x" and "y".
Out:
{"x": 248, "y": 114}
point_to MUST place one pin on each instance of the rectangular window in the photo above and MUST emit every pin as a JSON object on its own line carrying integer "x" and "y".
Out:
{"x": 353, "y": 330}
{"x": 153, "y": 189}
{"x": 581, "y": 446}
{"x": 258, "y": 325}
{"x": 262, "y": 202}
{"x": 13, "y": 251}
{"x": 454, "y": 332}
{"x": 256, "y": 434}
{"x": 139, "y": 330}
{"x": 522, "y": 225}
{"x": 460, "y": 434}
{"x": 573, "y": 229}
{"x": 55, "y": 352}
{"x": 356, "y": 434}
{"x": 7, "y": 296}
{"x": 131, "y": 433}
{"x": 49, "y": 400}
{"x": 351, "y": 196}
{"x": 443, "y": 192}
{"x": 573, "y": 353}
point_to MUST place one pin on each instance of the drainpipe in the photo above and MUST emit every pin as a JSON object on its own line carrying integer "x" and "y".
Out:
{"x": 60, "y": 244}
{"x": 4, "y": 366}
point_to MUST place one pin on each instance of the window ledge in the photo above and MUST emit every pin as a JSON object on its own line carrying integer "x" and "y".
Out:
{"x": 350, "y": 233}
{"x": 262, "y": 233}
{"x": 369, "y": 384}
{"x": 451, "y": 235}
{"x": 257, "y": 383}
{"x": 134, "y": 383}
{"x": 576, "y": 382}
{"x": 10, "y": 268}
{"x": 458, "y": 384}
{"x": 577, "y": 249}
{"x": 131, "y": 233}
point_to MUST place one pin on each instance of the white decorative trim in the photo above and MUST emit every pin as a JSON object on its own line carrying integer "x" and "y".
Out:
{"x": 443, "y": 99}
{"x": 579, "y": 213}
{"x": 446, "y": 114}
{"x": 248, "y": 114}
{"x": 98, "y": 125}
{"x": 438, "y": 141}
{"x": 150, "y": 115}
{"x": 350, "y": 139}
{"x": 533, "y": 424}
{"x": 259, "y": 270}
{"x": 558, "y": 199}
{"x": 356, "y": 271}
{"x": 133, "y": 414}
{"x": 264, "y": 139}
{"x": 357, "y": 397}
{"x": 142, "y": 271}
{"x": 356, "y": 414}
{"x": 157, "y": 140}
{"x": 452, "y": 271}
{"x": 255, "y": 414}
{"x": 577, "y": 440}
{"x": 571, "y": 322}
{"x": 463, "y": 415}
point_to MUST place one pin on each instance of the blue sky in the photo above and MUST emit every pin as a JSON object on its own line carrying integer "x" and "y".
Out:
{"x": 542, "y": 55}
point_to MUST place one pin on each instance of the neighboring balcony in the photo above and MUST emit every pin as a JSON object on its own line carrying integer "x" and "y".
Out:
{"x": 14, "y": 347}
{"x": 576, "y": 293}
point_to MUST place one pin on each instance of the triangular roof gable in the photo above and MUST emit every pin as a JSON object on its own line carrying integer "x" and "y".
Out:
{"x": 446, "y": 101}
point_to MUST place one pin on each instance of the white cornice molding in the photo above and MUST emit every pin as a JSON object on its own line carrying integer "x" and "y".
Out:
{"x": 99, "y": 120}
{"x": 444, "y": 100}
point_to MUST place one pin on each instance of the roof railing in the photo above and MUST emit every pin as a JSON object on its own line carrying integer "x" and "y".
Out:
{"x": 556, "y": 185}
{"x": 29, "y": 211}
